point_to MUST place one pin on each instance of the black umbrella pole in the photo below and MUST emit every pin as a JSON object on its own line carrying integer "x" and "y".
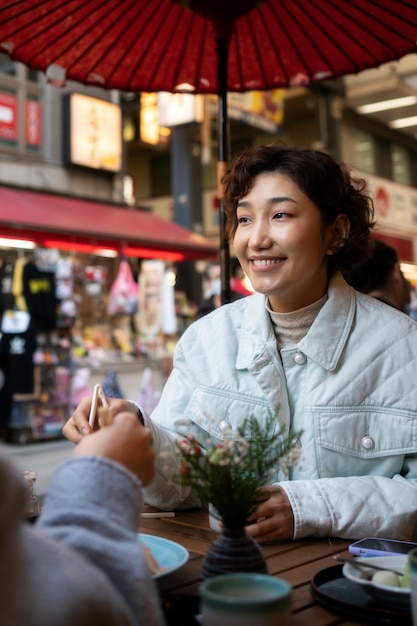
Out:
{"x": 222, "y": 163}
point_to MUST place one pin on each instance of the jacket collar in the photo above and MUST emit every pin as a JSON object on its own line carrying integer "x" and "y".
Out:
{"x": 324, "y": 342}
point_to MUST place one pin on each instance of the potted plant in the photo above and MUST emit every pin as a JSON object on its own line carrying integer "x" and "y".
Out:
{"x": 229, "y": 476}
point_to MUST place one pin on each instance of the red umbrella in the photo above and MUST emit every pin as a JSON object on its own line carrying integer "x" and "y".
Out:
{"x": 206, "y": 46}
{"x": 157, "y": 45}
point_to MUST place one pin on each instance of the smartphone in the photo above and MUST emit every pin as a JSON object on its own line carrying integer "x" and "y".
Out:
{"x": 376, "y": 546}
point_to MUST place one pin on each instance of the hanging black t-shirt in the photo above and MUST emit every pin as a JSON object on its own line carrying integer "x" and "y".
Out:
{"x": 40, "y": 296}
{"x": 16, "y": 360}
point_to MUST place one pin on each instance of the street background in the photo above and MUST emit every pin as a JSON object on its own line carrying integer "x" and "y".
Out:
{"x": 41, "y": 456}
{"x": 45, "y": 456}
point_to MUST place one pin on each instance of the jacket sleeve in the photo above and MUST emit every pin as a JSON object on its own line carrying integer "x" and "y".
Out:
{"x": 354, "y": 507}
{"x": 93, "y": 506}
{"x": 167, "y": 424}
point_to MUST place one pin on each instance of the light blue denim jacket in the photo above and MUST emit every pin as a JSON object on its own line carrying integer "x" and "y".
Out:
{"x": 350, "y": 385}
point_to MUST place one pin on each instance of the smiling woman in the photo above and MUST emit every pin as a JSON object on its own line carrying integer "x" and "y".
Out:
{"x": 308, "y": 350}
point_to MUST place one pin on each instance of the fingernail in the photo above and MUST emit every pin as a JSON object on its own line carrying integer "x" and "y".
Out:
{"x": 85, "y": 431}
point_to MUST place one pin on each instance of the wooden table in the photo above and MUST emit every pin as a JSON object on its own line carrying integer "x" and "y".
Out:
{"x": 295, "y": 561}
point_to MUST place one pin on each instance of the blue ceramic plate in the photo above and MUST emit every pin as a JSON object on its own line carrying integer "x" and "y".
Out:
{"x": 169, "y": 555}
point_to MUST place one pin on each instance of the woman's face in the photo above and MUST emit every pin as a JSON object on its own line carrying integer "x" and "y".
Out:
{"x": 282, "y": 244}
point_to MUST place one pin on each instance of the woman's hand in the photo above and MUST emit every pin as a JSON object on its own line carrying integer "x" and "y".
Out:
{"x": 77, "y": 426}
{"x": 273, "y": 519}
{"x": 126, "y": 441}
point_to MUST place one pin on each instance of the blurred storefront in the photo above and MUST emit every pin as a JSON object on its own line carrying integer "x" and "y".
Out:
{"x": 396, "y": 217}
{"x": 79, "y": 273}
{"x": 69, "y": 319}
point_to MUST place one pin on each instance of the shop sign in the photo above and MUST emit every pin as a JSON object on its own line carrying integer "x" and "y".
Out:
{"x": 33, "y": 123}
{"x": 156, "y": 305}
{"x": 151, "y": 293}
{"x": 152, "y": 130}
{"x": 260, "y": 109}
{"x": 149, "y": 121}
{"x": 8, "y": 117}
{"x": 179, "y": 108}
{"x": 395, "y": 203}
{"x": 95, "y": 132}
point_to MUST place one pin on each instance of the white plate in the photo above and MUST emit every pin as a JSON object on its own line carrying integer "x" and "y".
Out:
{"x": 170, "y": 555}
{"x": 393, "y": 596}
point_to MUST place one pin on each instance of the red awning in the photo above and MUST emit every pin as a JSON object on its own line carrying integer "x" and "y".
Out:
{"x": 71, "y": 223}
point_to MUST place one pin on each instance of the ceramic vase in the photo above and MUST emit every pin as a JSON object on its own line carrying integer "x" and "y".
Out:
{"x": 233, "y": 551}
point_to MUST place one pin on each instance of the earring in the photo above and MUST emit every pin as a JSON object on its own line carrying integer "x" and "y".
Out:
{"x": 337, "y": 245}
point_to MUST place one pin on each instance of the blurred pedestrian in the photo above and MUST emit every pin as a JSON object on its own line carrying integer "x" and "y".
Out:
{"x": 381, "y": 277}
{"x": 237, "y": 283}
{"x": 411, "y": 307}
{"x": 212, "y": 291}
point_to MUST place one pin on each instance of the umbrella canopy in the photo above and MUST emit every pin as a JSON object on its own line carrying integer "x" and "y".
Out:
{"x": 158, "y": 45}
{"x": 206, "y": 47}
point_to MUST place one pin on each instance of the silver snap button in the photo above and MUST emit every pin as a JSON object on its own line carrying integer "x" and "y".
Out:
{"x": 299, "y": 358}
{"x": 225, "y": 427}
{"x": 296, "y": 443}
{"x": 367, "y": 442}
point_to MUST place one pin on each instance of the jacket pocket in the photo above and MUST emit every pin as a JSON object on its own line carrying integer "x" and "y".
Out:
{"x": 221, "y": 412}
{"x": 360, "y": 440}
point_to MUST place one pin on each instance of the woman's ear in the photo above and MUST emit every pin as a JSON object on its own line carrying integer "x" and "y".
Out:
{"x": 339, "y": 232}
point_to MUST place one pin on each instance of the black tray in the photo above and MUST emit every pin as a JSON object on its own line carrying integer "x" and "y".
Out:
{"x": 346, "y": 598}
{"x": 181, "y": 609}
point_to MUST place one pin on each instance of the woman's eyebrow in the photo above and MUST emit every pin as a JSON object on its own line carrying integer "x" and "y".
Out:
{"x": 278, "y": 199}
{"x": 271, "y": 201}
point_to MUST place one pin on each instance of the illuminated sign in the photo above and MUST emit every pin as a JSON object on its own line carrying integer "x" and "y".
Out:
{"x": 93, "y": 133}
{"x": 151, "y": 129}
{"x": 8, "y": 117}
{"x": 149, "y": 122}
{"x": 260, "y": 109}
{"x": 33, "y": 123}
{"x": 179, "y": 108}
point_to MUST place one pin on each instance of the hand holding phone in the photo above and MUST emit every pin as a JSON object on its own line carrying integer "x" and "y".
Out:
{"x": 377, "y": 546}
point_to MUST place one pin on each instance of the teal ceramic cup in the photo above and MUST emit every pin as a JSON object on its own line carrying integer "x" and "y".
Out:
{"x": 245, "y": 599}
{"x": 412, "y": 555}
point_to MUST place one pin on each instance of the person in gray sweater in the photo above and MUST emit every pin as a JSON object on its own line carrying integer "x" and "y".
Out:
{"x": 81, "y": 563}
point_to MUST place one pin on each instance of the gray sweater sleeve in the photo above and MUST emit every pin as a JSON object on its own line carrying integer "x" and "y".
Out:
{"x": 93, "y": 506}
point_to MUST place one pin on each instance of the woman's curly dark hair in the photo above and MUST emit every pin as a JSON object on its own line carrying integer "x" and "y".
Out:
{"x": 321, "y": 178}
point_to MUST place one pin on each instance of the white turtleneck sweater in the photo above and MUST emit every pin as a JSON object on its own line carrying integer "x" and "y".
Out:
{"x": 291, "y": 327}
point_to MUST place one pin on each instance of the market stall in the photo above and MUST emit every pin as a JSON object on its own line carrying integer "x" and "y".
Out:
{"x": 93, "y": 279}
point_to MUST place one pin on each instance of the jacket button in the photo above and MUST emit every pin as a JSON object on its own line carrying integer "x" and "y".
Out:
{"x": 299, "y": 358}
{"x": 225, "y": 427}
{"x": 296, "y": 443}
{"x": 367, "y": 442}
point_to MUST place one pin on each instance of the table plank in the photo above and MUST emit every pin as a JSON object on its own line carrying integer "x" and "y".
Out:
{"x": 316, "y": 616}
{"x": 304, "y": 551}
